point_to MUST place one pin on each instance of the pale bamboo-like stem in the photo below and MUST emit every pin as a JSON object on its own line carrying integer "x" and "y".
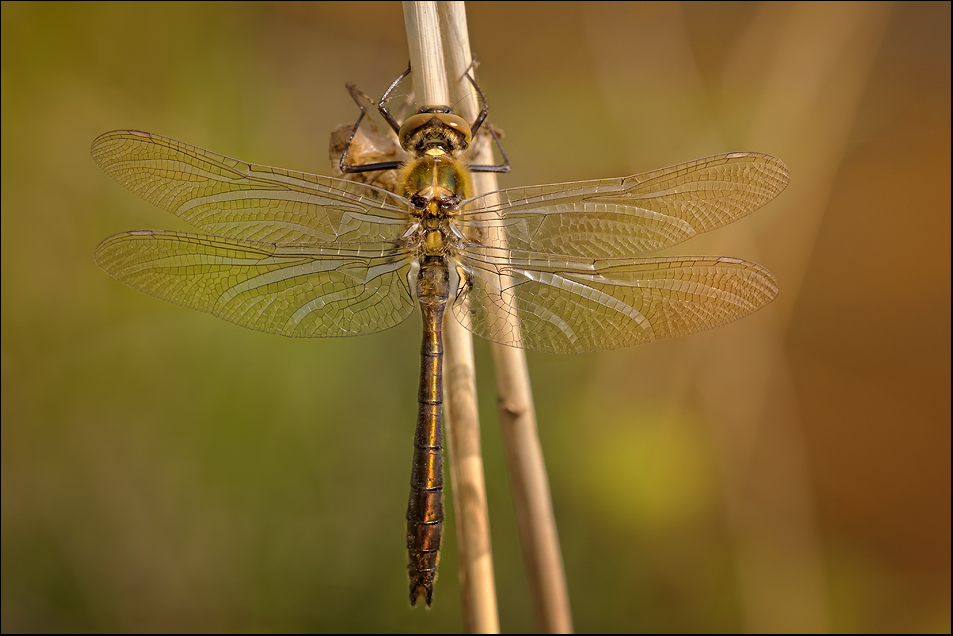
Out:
{"x": 426, "y": 53}
{"x": 537, "y": 525}
{"x": 462, "y": 422}
{"x": 534, "y": 510}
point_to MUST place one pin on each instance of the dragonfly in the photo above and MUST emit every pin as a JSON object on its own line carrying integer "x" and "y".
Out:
{"x": 559, "y": 268}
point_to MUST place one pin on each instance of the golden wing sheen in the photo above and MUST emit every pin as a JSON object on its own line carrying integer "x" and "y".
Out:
{"x": 574, "y": 305}
{"x": 290, "y": 253}
{"x": 298, "y": 291}
{"x": 557, "y": 268}
{"x": 310, "y": 256}
{"x": 629, "y": 216}
{"x": 235, "y": 199}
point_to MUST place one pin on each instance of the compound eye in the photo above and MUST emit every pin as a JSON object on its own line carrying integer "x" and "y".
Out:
{"x": 415, "y": 122}
{"x": 458, "y": 123}
{"x": 410, "y": 125}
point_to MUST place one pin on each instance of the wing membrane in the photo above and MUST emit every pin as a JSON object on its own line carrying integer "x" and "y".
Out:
{"x": 240, "y": 200}
{"x": 296, "y": 290}
{"x": 613, "y": 218}
{"x": 573, "y": 305}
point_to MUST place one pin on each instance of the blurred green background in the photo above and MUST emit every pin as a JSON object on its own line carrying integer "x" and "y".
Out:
{"x": 165, "y": 470}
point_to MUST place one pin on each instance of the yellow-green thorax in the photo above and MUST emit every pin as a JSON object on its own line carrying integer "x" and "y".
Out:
{"x": 435, "y": 182}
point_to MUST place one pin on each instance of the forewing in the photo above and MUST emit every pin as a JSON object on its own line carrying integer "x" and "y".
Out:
{"x": 573, "y": 305}
{"x": 236, "y": 199}
{"x": 611, "y": 218}
{"x": 298, "y": 291}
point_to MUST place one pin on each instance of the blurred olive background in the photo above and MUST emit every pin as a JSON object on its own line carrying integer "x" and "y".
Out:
{"x": 165, "y": 470}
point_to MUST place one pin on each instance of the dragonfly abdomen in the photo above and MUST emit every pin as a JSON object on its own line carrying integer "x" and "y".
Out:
{"x": 425, "y": 507}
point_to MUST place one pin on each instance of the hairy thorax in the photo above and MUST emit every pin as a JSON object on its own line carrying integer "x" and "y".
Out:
{"x": 435, "y": 183}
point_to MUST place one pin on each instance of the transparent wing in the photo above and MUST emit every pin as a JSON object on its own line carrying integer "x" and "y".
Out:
{"x": 612, "y": 218}
{"x": 573, "y": 305}
{"x": 297, "y": 290}
{"x": 235, "y": 199}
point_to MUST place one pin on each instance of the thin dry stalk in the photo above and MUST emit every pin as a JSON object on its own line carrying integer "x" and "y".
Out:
{"x": 461, "y": 413}
{"x": 537, "y": 525}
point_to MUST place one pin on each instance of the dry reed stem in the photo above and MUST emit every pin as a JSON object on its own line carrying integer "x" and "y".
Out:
{"x": 537, "y": 525}
{"x": 424, "y": 36}
{"x": 538, "y": 534}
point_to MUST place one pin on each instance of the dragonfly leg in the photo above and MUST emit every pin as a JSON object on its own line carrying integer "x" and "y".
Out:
{"x": 478, "y": 122}
{"x": 382, "y": 104}
{"x": 484, "y": 108}
{"x": 503, "y": 167}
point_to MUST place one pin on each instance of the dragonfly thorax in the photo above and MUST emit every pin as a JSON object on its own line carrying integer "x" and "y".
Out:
{"x": 435, "y": 183}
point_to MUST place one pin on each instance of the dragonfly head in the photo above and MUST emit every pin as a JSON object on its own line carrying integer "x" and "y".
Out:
{"x": 434, "y": 127}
